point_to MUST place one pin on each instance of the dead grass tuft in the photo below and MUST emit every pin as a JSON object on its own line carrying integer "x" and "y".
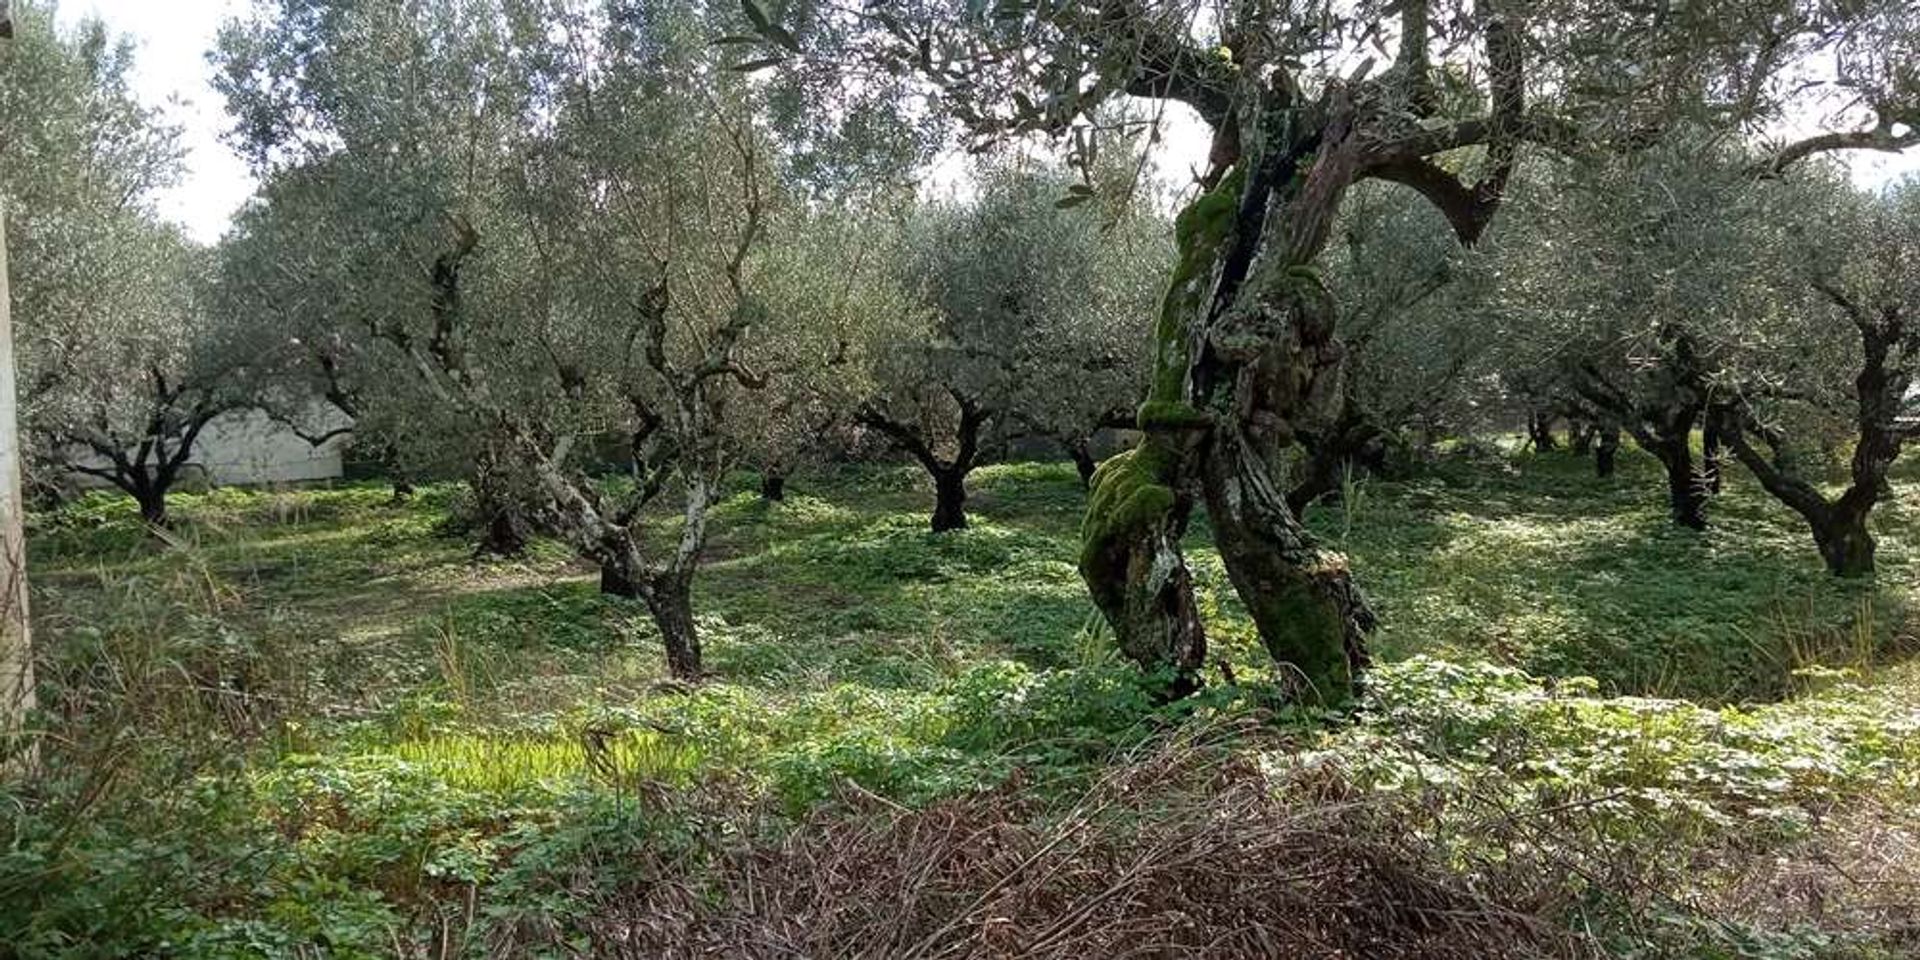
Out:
{"x": 1184, "y": 852}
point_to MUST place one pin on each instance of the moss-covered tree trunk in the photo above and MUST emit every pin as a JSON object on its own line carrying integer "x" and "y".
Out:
{"x": 1311, "y": 617}
{"x": 1245, "y": 359}
{"x": 1131, "y": 560}
{"x": 1139, "y": 500}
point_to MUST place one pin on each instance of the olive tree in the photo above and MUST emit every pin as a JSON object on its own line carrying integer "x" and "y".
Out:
{"x": 1246, "y": 346}
{"x": 834, "y": 285}
{"x": 1024, "y": 306}
{"x": 122, "y": 363}
{"x": 1626, "y": 276}
{"x": 573, "y": 253}
{"x": 1661, "y": 287}
{"x": 1843, "y": 369}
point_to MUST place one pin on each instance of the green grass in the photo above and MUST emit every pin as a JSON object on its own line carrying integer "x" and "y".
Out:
{"x": 382, "y": 719}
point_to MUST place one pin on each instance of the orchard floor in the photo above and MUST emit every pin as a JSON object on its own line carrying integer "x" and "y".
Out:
{"x": 310, "y": 725}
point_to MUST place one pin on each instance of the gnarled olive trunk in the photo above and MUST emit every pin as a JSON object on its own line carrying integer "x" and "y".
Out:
{"x": 1311, "y": 617}
{"x": 773, "y": 486}
{"x": 1686, "y": 488}
{"x": 949, "y": 475}
{"x": 1237, "y": 376}
{"x": 669, "y": 601}
{"x": 671, "y": 604}
{"x": 152, "y": 500}
{"x": 949, "y": 499}
{"x": 1083, "y": 462}
{"x": 1881, "y": 389}
{"x": 1606, "y": 449}
{"x": 1846, "y": 545}
{"x": 503, "y": 531}
{"x": 1130, "y": 555}
{"x": 1839, "y": 525}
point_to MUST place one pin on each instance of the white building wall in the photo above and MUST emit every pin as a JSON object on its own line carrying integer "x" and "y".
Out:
{"x": 247, "y": 447}
{"x": 250, "y": 448}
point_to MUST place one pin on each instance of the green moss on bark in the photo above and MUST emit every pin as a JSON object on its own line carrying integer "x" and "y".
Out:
{"x": 1131, "y": 492}
{"x": 1296, "y": 620}
{"x": 1197, "y": 232}
{"x": 1169, "y": 415}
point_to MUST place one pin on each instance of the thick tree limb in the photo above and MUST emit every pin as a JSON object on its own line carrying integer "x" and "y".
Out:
{"x": 1880, "y": 138}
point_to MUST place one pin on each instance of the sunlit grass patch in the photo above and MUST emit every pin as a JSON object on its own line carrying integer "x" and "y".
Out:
{"x": 507, "y": 764}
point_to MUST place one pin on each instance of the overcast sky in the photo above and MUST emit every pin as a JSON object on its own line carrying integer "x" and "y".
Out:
{"x": 172, "y": 37}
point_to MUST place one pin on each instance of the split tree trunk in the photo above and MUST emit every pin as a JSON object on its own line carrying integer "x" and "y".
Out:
{"x": 1311, "y": 617}
{"x": 949, "y": 476}
{"x": 1236, "y": 378}
{"x": 1839, "y": 525}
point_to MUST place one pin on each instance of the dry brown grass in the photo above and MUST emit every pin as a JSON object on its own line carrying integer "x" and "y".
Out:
{"x": 1187, "y": 851}
{"x": 1858, "y": 869}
